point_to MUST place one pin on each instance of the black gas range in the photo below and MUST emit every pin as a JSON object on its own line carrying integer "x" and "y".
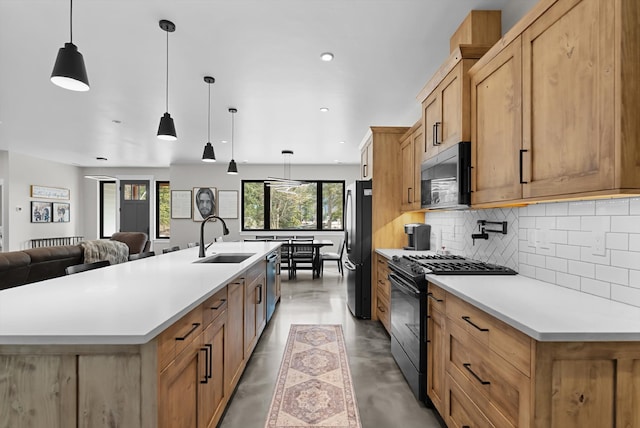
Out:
{"x": 409, "y": 309}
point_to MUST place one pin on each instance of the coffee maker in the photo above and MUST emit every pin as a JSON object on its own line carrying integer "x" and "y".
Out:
{"x": 418, "y": 236}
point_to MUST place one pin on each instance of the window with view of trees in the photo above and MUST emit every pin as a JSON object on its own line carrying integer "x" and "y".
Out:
{"x": 163, "y": 209}
{"x": 314, "y": 205}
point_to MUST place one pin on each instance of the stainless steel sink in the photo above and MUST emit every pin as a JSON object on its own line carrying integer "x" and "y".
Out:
{"x": 226, "y": 258}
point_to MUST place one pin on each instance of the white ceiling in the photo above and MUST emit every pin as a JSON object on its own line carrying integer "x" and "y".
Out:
{"x": 264, "y": 55}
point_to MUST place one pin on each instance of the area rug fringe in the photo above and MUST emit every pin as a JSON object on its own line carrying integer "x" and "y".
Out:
{"x": 314, "y": 386}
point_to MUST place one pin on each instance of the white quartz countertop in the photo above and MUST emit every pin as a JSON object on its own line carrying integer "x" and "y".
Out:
{"x": 127, "y": 303}
{"x": 543, "y": 311}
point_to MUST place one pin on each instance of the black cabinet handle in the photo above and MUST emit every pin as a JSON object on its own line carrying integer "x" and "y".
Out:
{"x": 468, "y": 367}
{"x": 522, "y": 151}
{"x": 468, "y": 319}
{"x": 215, "y": 308}
{"x": 431, "y": 296}
{"x": 194, "y": 327}
{"x": 435, "y": 134}
{"x": 209, "y": 371}
{"x": 260, "y": 295}
{"x": 205, "y": 379}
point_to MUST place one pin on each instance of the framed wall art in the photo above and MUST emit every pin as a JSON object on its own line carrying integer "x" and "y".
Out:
{"x": 181, "y": 204}
{"x": 61, "y": 212}
{"x": 228, "y": 203}
{"x": 205, "y": 202}
{"x": 40, "y": 212}
{"x": 49, "y": 192}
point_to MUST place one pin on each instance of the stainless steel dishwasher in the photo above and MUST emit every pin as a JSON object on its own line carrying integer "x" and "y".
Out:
{"x": 272, "y": 259}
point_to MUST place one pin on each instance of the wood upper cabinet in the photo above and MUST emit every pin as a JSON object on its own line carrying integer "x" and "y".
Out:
{"x": 366, "y": 160}
{"x": 555, "y": 104}
{"x": 411, "y": 148}
{"x": 496, "y": 120}
{"x": 446, "y": 102}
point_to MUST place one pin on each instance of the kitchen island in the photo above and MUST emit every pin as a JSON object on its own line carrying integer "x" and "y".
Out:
{"x": 156, "y": 342}
{"x": 513, "y": 351}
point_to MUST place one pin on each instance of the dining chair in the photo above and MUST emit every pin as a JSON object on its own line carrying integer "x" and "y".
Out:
{"x": 302, "y": 255}
{"x": 70, "y": 270}
{"x": 333, "y": 257}
{"x": 170, "y": 249}
{"x": 139, "y": 256}
{"x": 285, "y": 255}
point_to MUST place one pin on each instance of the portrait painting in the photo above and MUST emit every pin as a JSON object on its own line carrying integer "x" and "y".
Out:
{"x": 204, "y": 202}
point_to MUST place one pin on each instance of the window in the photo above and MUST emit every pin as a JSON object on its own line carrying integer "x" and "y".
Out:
{"x": 163, "y": 209}
{"x": 315, "y": 205}
{"x": 108, "y": 212}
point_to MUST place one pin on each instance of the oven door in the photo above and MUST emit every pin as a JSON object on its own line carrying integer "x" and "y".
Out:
{"x": 405, "y": 317}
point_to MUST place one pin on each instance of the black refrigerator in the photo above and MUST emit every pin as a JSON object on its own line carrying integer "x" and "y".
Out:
{"x": 357, "y": 235}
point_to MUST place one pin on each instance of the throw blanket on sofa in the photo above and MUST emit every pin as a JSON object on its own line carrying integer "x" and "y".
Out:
{"x": 104, "y": 249}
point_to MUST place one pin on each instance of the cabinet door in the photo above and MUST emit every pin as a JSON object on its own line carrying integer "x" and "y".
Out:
{"x": 568, "y": 99}
{"x": 436, "y": 359}
{"x": 418, "y": 145}
{"x": 450, "y": 93}
{"x": 261, "y": 304}
{"x": 213, "y": 398}
{"x": 234, "y": 358}
{"x": 366, "y": 161}
{"x": 38, "y": 391}
{"x": 408, "y": 180}
{"x": 250, "y": 331}
{"x": 496, "y": 127}
{"x": 179, "y": 388}
{"x": 432, "y": 120}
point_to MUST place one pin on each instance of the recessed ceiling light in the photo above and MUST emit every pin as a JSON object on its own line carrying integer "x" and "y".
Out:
{"x": 324, "y": 109}
{"x": 326, "y": 56}
{"x": 340, "y": 142}
{"x": 224, "y": 141}
{"x": 245, "y": 161}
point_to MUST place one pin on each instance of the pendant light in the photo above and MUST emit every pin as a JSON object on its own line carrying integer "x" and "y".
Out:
{"x": 167, "y": 130}
{"x": 69, "y": 71}
{"x": 233, "y": 168}
{"x": 209, "y": 155}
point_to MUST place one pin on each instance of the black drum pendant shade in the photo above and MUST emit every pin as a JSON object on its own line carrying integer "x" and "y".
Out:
{"x": 233, "y": 168}
{"x": 69, "y": 71}
{"x": 208, "y": 155}
{"x": 167, "y": 129}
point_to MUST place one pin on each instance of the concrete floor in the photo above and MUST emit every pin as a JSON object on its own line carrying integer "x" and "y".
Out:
{"x": 384, "y": 398}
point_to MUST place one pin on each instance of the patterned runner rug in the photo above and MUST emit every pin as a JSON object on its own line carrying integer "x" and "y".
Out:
{"x": 314, "y": 387}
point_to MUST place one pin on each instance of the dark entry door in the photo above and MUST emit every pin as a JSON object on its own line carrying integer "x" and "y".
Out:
{"x": 134, "y": 206}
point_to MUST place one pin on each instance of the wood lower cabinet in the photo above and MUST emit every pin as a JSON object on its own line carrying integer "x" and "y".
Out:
{"x": 554, "y": 106}
{"x": 255, "y": 314}
{"x": 495, "y": 376}
{"x": 213, "y": 396}
{"x": 234, "y": 359}
{"x": 383, "y": 292}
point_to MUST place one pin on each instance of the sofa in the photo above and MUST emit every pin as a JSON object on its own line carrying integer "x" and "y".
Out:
{"x": 37, "y": 264}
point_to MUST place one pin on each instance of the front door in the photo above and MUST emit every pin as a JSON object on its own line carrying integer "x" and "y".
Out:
{"x": 134, "y": 206}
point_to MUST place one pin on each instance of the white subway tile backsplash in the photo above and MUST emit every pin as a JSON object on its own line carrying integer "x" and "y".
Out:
{"x": 557, "y": 209}
{"x": 617, "y": 241}
{"x": 612, "y": 274}
{"x": 612, "y": 207}
{"x": 581, "y": 268}
{"x": 628, "y": 224}
{"x": 567, "y": 280}
{"x": 582, "y": 208}
{"x": 593, "y": 286}
{"x": 634, "y": 242}
{"x": 625, "y": 259}
{"x": 628, "y": 295}
{"x": 564, "y": 239}
{"x": 570, "y": 252}
{"x": 568, "y": 223}
{"x": 556, "y": 264}
{"x": 546, "y": 275}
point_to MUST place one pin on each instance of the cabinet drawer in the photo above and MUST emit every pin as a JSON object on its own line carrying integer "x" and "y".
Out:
{"x": 462, "y": 412}
{"x": 511, "y": 344}
{"x": 383, "y": 312}
{"x": 214, "y": 306}
{"x": 384, "y": 289}
{"x": 498, "y": 388}
{"x": 178, "y": 336}
{"x": 437, "y": 298}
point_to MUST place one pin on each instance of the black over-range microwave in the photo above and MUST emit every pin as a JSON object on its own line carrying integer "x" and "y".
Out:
{"x": 446, "y": 178}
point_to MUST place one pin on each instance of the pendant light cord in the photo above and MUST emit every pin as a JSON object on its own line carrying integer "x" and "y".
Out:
{"x": 71, "y": 21}
{"x": 233, "y": 125}
{"x": 209, "y": 117}
{"x": 167, "y": 83}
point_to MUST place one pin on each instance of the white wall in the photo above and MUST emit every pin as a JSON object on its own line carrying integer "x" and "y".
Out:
{"x": 186, "y": 177}
{"x": 24, "y": 171}
{"x": 4, "y": 215}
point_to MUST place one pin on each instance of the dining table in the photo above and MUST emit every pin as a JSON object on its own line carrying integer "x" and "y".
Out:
{"x": 316, "y": 244}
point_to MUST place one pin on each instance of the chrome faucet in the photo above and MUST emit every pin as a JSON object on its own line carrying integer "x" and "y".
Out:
{"x": 225, "y": 231}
